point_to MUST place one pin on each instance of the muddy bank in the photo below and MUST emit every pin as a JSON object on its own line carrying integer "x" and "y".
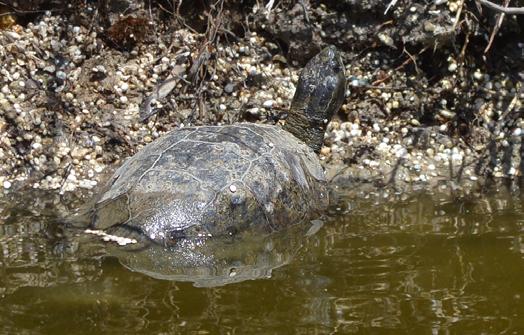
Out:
{"x": 433, "y": 102}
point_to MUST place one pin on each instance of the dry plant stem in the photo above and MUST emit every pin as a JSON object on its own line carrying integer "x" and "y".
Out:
{"x": 391, "y": 4}
{"x": 151, "y": 17}
{"x": 457, "y": 17}
{"x": 410, "y": 58}
{"x": 197, "y": 71}
{"x": 176, "y": 15}
{"x": 464, "y": 47}
{"x": 270, "y": 5}
{"x": 502, "y": 119}
{"x": 304, "y": 8}
{"x": 17, "y": 11}
{"x": 497, "y": 27}
{"x": 505, "y": 10}
{"x": 413, "y": 60}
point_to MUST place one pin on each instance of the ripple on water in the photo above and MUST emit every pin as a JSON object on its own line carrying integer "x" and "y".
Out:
{"x": 415, "y": 266}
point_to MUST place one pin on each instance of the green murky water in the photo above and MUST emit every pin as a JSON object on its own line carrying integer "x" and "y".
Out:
{"x": 417, "y": 266}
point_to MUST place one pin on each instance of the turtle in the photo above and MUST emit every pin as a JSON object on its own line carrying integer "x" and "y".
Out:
{"x": 208, "y": 181}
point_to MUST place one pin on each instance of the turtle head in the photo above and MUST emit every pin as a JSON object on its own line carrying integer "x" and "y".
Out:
{"x": 319, "y": 94}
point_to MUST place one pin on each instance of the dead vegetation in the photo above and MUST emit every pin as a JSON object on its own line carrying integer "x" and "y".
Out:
{"x": 455, "y": 65}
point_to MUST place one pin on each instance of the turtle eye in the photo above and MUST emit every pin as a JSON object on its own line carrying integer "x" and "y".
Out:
{"x": 231, "y": 231}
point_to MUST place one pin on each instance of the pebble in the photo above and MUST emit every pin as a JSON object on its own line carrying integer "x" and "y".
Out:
{"x": 477, "y": 75}
{"x": 229, "y": 88}
{"x": 401, "y": 152}
{"x": 268, "y": 104}
{"x": 87, "y": 184}
{"x": 446, "y": 114}
{"x": 79, "y": 152}
{"x": 453, "y": 6}
{"x": 7, "y": 184}
{"x": 325, "y": 151}
{"x": 61, "y": 75}
{"x": 255, "y": 111}
{"x": 395, "y": 104}
{"x": 456, "y": 157}
{"x": 355, "y": 132}
{"x": 50, "y": 68}
{"x": 355, "y": 82}
{"x": 383, "y": 147}
{"x": 88, "y": 151}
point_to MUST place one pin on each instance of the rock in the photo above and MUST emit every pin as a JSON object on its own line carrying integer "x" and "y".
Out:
{"x": 229, "y": 88}
{"x": 79, "y": 152}
{"x": 268, "y": 104}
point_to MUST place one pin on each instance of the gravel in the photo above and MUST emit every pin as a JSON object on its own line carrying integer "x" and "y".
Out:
{"x": 69, "y": 111}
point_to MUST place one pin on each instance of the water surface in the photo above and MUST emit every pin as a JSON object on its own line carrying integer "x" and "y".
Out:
{"x": 416, "y": 266}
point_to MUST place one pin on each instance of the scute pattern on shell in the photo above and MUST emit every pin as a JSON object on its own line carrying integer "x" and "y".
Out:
{"x": 180, "y": 185}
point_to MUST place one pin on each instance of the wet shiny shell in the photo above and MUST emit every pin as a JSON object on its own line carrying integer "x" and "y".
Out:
{"x": 207, "y": 181}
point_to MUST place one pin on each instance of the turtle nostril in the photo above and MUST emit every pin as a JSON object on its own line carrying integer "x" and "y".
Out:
{"x": 176, "y": 235}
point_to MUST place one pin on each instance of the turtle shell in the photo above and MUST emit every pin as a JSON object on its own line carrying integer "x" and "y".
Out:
{"x": 213, "y": 180}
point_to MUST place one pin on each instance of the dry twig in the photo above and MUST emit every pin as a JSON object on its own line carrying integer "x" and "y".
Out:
{"x": 457, "y": 17}
{"x": 411, "y": 58}
{"x": 499, "y": 8}
{"x": 200, "y": 66}
{"x": 500, "y": 18}
{"x": 391, "y": 4}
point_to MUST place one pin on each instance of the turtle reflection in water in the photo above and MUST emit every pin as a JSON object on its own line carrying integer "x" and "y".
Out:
{"x": 200, "y": 183}
{"x": 219, "y": 261}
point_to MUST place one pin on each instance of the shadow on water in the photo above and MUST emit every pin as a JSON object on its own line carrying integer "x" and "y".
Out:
{"x": 415, "y": 266}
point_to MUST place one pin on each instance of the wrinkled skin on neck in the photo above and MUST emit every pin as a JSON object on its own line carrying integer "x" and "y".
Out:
{"x": 320, "y": 93}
